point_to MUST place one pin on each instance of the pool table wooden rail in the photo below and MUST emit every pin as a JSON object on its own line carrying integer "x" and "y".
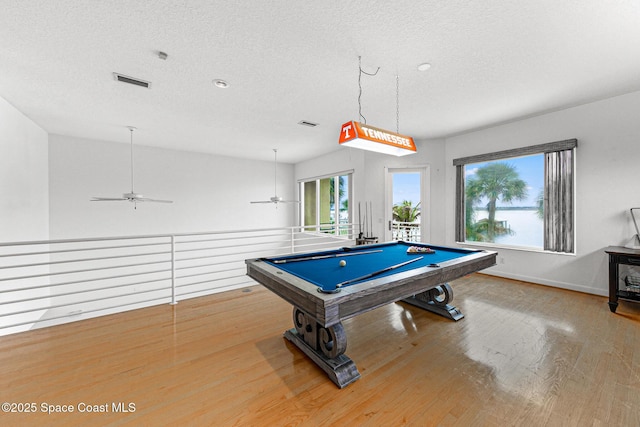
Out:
{"x": 330, "y": 309}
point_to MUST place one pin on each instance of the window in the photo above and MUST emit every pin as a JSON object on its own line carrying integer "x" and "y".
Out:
{"x": 504, "y": 201}
{"x": 521, "y": 197}
{"x": 325, "y": 204}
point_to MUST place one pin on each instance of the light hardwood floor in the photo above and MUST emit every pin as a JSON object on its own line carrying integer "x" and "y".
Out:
{"x": 524, "y": 355}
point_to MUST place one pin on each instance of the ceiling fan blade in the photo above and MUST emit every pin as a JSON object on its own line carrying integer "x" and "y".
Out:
{"x": 144, "y": 199}
{"x": 276, "y": 201}
{"x": 128, "y": 199}
{"x": 108, "y": 199}
{"x": 136, "y": 197}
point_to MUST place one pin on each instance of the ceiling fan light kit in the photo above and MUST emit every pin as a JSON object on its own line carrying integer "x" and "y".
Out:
{"x": 132, "y": 196}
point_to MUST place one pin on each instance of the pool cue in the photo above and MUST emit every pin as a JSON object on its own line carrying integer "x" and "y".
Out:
{"x": 314, "y": 257}
{"x": 365, "y": 221}
{"x": 366, "y": 224}
{"x": 371, "y": 219}
{"x": 376, "y": 273}
{"x": 359, "y": 222}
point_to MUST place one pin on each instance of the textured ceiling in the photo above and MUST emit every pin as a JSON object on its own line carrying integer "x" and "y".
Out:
{"x": 286, "y": 61}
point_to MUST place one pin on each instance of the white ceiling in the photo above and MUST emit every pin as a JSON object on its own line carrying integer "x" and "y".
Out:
{"x": 492, "y": 61}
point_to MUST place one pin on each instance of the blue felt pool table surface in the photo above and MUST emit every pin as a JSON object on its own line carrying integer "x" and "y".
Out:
{"x": 326, "y": 273}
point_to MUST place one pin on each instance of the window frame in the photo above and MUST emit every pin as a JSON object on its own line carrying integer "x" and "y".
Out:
{"x": 318, "y": 226}
{"x": 566, "y": 226}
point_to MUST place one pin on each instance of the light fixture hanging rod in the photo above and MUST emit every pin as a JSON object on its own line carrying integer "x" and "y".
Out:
{"x": 131, "y": 129}
{"x": 275, "y": 172}
{"x": 397, "y": 104}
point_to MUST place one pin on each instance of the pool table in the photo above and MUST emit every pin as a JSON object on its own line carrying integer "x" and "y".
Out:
{"x": 327, "y": 287}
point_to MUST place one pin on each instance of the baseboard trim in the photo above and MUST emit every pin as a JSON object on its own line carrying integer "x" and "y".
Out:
{"x": 551, "y": 283}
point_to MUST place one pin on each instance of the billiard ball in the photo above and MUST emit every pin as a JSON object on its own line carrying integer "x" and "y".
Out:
{"x": 343, "y": 263}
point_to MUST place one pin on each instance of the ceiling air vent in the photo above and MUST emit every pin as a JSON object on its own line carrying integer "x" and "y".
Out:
{"x": 131, "y": 80}
{"x": 307, "y": 123}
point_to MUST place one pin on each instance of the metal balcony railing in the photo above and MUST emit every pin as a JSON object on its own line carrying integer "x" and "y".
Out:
{"x": 44, "y": 283}
{"x": 407, "y": 231}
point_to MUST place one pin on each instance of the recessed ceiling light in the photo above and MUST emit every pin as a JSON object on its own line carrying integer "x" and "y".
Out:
{"x": 221, "y": 83}
{"x": 424, "y": 66}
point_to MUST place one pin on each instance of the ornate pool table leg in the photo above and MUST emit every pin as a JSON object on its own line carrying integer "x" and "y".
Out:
{"x": 436, "y": 300}
{"x": 325, "y": 346}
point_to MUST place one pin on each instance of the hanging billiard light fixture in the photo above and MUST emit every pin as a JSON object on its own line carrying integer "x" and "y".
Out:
{"x": 361, "y": 135}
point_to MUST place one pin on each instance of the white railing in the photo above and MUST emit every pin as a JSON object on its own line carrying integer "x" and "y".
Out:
{"x": 44, "y": 283}
{"x": 336, "y": 229}
{"x": 407, "y": 231}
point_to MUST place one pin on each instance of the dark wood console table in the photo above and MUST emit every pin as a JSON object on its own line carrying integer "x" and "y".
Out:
{"x": 621, "y": 255}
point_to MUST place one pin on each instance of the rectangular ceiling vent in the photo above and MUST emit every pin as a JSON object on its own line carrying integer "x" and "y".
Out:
{"x": 307, "y": 123}
{"x": 131, "y": 80}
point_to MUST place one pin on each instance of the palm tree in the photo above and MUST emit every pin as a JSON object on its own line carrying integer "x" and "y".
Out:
{"x": 407, "y": 213}
{"x": 341, "y": 185}
{"x": 344, "y": 205}
{"x": 341, "y": 190}
{"x": 496, "y": 181}
{"x": 540, "y": 205}
{"x": 472, "y": 228}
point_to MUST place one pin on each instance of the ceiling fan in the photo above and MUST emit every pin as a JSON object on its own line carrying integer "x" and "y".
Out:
{"x": 276, "y": 199}
{"x": 132, "y": 196}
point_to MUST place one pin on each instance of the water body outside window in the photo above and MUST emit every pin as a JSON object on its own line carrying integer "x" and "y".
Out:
{"x": 504, "y": 201}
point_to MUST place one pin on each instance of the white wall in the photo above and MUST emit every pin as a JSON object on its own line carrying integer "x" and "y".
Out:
{"x": 369, "y": 180}
{"x": 430, "y": 153}
{"x": 209, "y": 192}
{"x": 24, "y": 192}
{"x": 24, "y": 211}
{"x": 608, "y": 159}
